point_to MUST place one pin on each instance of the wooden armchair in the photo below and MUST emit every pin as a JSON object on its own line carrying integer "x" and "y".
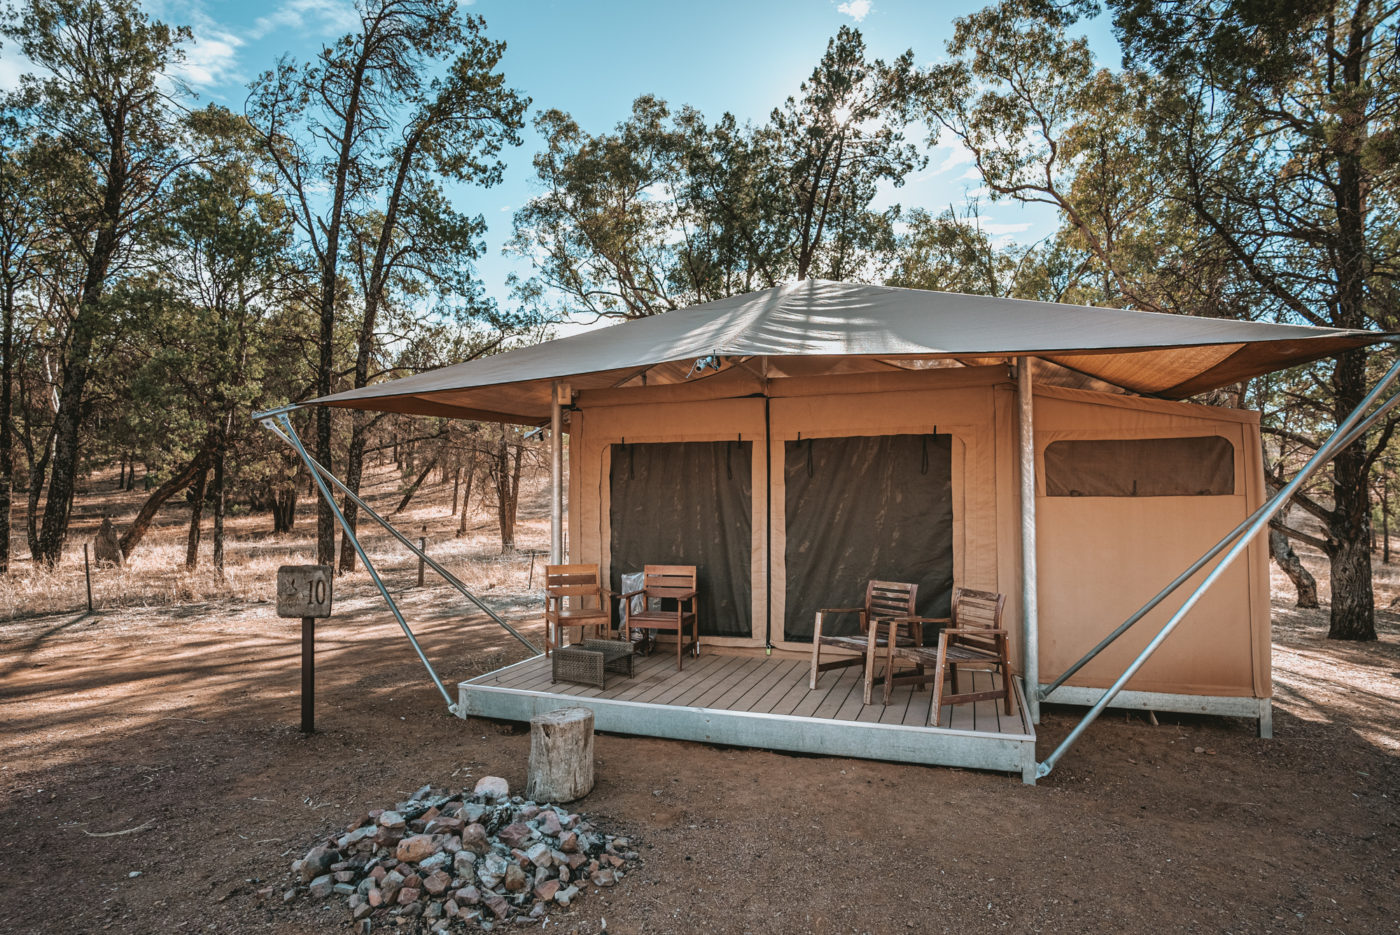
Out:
{"x": 886, "y": 602}
{"x": 666, "y": 582}
{"x": 565, "y": 589}
{"x": 974, "y": 639}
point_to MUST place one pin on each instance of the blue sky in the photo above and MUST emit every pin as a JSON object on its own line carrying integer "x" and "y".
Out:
{"x": 593, "y": 59}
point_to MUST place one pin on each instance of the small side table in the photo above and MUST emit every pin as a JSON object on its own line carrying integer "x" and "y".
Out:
{"x": 589, "y": 662}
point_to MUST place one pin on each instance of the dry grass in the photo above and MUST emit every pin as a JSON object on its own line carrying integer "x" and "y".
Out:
{"x": 155, "y": 575}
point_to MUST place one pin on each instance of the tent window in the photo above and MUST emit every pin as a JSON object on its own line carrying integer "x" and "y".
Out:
{"x": 688, "y": 503}
{"x": 1141, "y": 467}
{"x": 862, "y": 507}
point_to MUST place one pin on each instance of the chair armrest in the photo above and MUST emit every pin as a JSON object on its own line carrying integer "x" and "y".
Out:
{"x": 629, "y": 593}
{"x": 918, "y": 619}
{"x": 841, "y": 610}
{"x": 684, "y": 595}
{"x": 977, "y": 631}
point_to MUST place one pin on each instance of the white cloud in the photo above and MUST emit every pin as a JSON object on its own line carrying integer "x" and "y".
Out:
{"x": 12, "y": 65}
{"x": 212, "y": 58}
{"x": 954, "y": 155}
{"x": 320, "y": 17}
{"x": 999, "y": 230}
{"x": 855, "y": 9}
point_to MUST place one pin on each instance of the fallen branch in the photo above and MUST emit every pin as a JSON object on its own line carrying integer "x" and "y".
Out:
{"x": 113, "y": 834}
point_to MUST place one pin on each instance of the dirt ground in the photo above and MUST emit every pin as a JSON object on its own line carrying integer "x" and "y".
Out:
{"x": 182, "y": 723}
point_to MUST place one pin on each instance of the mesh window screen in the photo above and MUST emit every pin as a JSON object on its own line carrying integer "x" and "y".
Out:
{"x": 1141, "y": 467}
{"x": 688, "y": 503}
{"x": 862, "y": 507}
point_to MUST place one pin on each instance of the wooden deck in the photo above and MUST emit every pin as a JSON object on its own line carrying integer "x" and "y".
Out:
{"x": 761, "y": 702}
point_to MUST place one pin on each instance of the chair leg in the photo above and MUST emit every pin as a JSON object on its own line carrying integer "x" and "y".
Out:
{"x": 934, "y": 704}
{"x": 889, "y": 665}
{"x": 871, "y": 632}
{"x": 816, "y": 652}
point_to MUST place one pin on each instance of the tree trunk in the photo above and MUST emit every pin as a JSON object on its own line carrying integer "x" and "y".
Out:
{"x": 1353, "y": 614}
{"x": 201, "y": 487}
{"x": 219, "y": 507}
{"x": 561, "y": 755}
{"x": 7, "y": 457}
{"x": 413, "y": 487}
{"x": 1289, "y": 563}
{"x": 284, "y": 509}
{"x": 470, "y": 473}
{"x": 354, "y": 473}
{"x": 456, "y": 487}
{"x": 139, "y": 526}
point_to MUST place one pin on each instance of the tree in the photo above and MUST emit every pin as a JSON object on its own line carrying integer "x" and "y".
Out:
{"x": 668, "y": 211}
{"x": 107, "y": 139}
{"x": 202, "y": 357}
{"x": 22, "y": 237}
{"x": 1240, "y": 165}
{"x": 1283, "y": 125}
{"x": 360, "y": 121}
{"x": 835, "y": 143}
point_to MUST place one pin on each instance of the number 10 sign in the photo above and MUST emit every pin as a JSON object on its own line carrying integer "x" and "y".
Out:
{"x": 304, "y": 591}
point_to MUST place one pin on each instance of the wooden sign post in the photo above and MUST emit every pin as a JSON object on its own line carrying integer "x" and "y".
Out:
{"x": 305, "y": 591}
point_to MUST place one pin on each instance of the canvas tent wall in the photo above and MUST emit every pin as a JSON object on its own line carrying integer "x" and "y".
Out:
{"x": 1100, "y": 556}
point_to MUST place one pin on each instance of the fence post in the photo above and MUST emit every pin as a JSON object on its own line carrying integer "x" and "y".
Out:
{"x": 87, "y": 575}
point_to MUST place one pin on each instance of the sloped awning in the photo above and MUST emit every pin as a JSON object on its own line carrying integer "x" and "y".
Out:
{"x": 817, "y": 326}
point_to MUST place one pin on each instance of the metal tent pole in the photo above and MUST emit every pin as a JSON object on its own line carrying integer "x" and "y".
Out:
{"x": 1328, "y": 449}
{"x": 1030, "y": 611}
{"x": 556, "y": 478}
{"x": 1336, "y": 446}
{"x": 369, "y": 566}
{"x": 406, "y": 542}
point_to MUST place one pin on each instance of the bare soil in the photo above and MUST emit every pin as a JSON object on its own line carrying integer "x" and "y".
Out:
{"x": 181, "y": 722}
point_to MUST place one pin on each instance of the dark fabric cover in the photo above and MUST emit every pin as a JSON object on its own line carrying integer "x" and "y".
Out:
{"x": 866, "y": 507}
{"x": 688, "y": 503}
{"x": 1141, "y": 467}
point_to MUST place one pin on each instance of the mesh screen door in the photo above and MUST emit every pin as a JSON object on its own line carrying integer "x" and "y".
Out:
{"x": 862, "y": 507}
{"x": 688, "y": 503}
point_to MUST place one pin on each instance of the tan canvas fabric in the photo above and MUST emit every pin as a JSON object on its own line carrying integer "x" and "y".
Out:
{"x": 1099, "y": 557}
{"x": 816, "y": 327}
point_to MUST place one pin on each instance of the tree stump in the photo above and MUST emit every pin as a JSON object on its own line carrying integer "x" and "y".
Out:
{"x": 104, "y": 547}
{"x": 561, "y": 755}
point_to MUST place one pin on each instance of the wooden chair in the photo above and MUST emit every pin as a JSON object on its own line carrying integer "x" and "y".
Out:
{"x": 565, "y": 589}
{"x": 974, "y": 639}
{"x": 666, "y": 582}
{"x": 886, "y": 602}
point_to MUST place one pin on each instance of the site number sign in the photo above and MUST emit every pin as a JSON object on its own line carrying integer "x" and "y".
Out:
{"x": 304, "y": 591}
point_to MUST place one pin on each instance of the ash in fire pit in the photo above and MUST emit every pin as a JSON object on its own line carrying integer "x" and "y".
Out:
{"x": 448, "y": 861}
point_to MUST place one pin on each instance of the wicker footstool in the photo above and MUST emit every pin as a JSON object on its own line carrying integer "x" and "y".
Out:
{"x": 589, "y": 662}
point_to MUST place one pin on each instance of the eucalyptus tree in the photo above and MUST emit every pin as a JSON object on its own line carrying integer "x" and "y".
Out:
{"x": 835, "y": 142}
{"x": 363, "y": 140}
{"x": 1284, "y": 125}
{"x": 204, "y": 354}
{"x": 1240, "y": 164}
{"x": 106, "y": 129}
{"x": 668, "y": 210}
{"x": 23, "y": 236}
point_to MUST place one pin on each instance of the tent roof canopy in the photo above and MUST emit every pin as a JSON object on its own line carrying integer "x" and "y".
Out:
{"x": 817, "y": 326}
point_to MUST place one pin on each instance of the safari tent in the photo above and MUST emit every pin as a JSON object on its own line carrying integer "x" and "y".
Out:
{"x": 793, "y": 443}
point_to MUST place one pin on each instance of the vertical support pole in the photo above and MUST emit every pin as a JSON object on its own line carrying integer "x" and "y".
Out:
{"x": 1030, "y": 611}
{"x": 422, "y": 544}
{"x": 87, "y": 575}
{"x": 308, "y": 675}
{"x": 556, "y": 477}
